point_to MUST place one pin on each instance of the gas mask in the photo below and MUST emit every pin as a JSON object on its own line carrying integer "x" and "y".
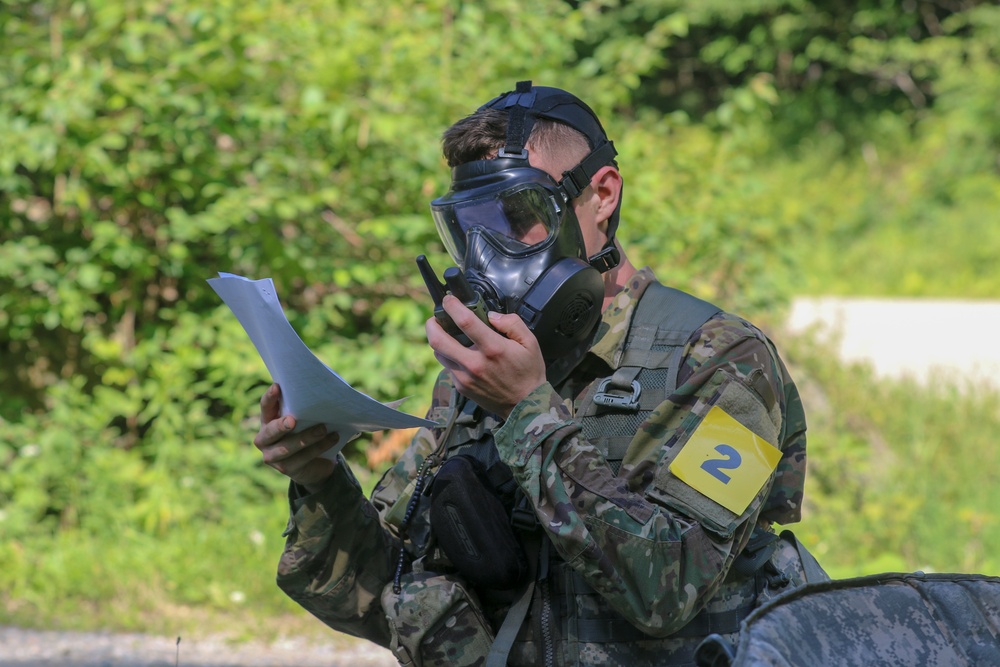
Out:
{"x": 511, "y": 228}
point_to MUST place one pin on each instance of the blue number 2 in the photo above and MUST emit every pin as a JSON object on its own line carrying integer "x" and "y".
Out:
{"x": 730, "y": 460}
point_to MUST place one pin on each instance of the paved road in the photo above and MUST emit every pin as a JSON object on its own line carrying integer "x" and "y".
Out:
{"x": 919, "y": 338}
{"x": 28, "y": 648}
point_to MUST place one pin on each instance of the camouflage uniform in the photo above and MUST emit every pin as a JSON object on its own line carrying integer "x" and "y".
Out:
{"x": 634, "y": 551}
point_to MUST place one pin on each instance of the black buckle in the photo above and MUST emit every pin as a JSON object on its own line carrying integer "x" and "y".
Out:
{"x": 607, "y": 259}
{"x": 618, "y": 401}
{"x": 570, "y": 185}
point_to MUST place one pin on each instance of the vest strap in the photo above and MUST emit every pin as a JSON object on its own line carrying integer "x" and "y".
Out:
{"x": 664, "y": 321}
{"x": 813, "y": 570}
{"x": 518, "y": 611}
{"x": 617, "y": 630}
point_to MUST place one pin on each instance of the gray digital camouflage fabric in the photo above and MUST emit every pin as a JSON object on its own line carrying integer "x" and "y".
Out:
{"x": 885, "y": 620}
{"x": 647, "y": 550}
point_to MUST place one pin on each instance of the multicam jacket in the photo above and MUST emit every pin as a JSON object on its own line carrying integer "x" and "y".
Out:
{"x": 634, "y": 550}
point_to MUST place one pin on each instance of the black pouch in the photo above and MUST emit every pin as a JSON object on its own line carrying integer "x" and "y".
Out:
{"x": 473, "y": 527}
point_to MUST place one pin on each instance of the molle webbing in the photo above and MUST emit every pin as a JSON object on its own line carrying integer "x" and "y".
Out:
{"x": 609, "y": 627}
{"x": 664, "y": 322}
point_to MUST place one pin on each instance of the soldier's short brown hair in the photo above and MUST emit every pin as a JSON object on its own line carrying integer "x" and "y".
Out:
{"x": 481, "y": 135}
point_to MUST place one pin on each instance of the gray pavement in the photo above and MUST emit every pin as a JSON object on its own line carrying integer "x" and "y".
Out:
{"x": 923, "y": 339}
{"x": 47, "y": 648}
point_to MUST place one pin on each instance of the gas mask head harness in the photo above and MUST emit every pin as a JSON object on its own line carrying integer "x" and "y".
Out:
{"x": 512, "y": 230}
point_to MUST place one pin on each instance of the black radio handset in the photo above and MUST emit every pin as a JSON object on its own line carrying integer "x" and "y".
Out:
{"x": 458, "y": 285}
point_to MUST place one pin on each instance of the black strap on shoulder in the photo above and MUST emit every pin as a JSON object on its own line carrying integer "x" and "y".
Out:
{"x": 759, "y": 549}
{"x": 664, "y": 321}
{"x": 665, "y": 317}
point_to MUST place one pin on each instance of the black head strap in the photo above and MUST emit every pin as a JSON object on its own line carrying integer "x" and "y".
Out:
{"x": 519, "y": 121}
{"x": 575, "y": 180}
{"x": 527, "y": 103}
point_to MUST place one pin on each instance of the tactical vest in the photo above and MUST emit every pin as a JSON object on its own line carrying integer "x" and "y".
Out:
{"x": 613, "y": 408}
{"x": 567, "y": 622}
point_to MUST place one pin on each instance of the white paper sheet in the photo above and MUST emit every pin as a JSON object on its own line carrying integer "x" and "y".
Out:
{"x": 310, "y": 390}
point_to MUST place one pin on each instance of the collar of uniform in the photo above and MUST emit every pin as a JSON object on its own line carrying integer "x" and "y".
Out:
{"x": 609, "y": 343}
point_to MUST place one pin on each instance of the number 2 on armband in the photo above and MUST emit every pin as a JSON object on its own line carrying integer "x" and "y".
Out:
{"x": 725, "y": 461}
{"x": 730, "y": 460}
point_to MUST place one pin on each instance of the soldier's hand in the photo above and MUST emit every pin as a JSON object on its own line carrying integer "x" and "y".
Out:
{"x": 295, "y": 455}
{"x": 503, "y": 365}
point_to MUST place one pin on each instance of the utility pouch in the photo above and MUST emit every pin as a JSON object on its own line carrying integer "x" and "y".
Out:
{"x": 473, "y": 527}
{"x": 435, "y": 621}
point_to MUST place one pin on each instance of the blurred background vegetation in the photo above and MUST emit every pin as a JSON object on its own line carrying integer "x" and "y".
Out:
{"x": 770, "y": 149}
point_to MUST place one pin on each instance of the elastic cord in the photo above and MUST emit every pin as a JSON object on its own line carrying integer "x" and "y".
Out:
{"x": 418, "y": 489}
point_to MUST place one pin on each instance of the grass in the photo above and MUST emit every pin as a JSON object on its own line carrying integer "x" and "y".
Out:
{"x": 899, "y": 474}
{"x": 194, "y": 581}
{"x": 898, "y": 481}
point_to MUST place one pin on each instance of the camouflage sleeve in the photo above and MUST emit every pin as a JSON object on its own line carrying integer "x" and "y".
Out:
{"x": 341, "y": 549}
{"x": 655, "y": 565}
{"x": 784, "y": 503}
{"x": 728, "y": 340}
{"x": 337, "y": 557}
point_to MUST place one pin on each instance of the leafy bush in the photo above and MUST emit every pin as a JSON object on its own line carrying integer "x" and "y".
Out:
{"x": 896, "y": 476}
{"x": 145, "y": 146}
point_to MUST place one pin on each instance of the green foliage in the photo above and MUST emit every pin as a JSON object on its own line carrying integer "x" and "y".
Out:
{"x": 915, "y": 214}
{"x": 768, "y": 148}
{"x": 854, "y": 148}
{"x": 144, "y": 147}
{"x": 841, "y": 65}
{"x": 702, "y": 213}
{"x": 896, "y": 477}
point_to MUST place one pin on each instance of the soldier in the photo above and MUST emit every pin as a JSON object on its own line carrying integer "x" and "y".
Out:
{"x": 611, "y": 452}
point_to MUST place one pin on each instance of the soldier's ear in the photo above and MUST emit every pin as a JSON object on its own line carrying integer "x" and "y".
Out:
{"x": 607, "y": 185}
